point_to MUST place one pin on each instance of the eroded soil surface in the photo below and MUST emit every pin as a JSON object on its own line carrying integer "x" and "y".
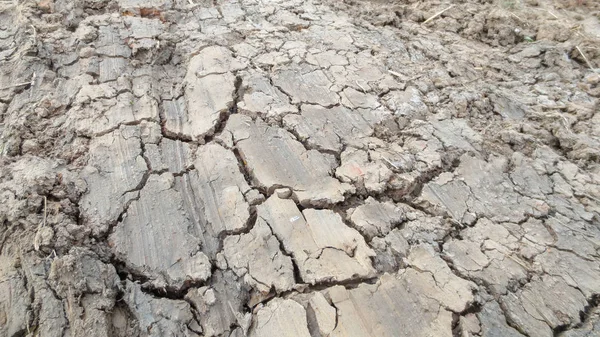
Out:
{"x": 299, "y": 168}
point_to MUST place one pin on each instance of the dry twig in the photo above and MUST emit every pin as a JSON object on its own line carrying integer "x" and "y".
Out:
{"x": 437, "y": 14}
{"x": 586, "y": 59}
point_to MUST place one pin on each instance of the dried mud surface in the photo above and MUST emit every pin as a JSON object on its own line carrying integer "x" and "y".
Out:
{"x": 299, "y": 168}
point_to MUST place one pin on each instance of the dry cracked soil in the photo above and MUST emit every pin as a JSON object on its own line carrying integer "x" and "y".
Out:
{"x": 300, "y": 168}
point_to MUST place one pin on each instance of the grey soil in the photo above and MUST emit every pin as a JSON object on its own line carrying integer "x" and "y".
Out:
{"x": 299, "y": 168}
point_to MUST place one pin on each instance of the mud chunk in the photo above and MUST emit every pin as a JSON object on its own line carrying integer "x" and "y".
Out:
{"x": 173, "y": 156}
{"x": 306, "y": 85}
{"x": 206, "y": 99}
{"x": 159, "y": 213}
{"x": 466, "y": 255}
{"x": 375, "y": 218}
{"x": 570, "y": 235}
{"x": 353, "y": 98}
{"x": 114, "y": 170}
{"x": 14, "y": 304}
{"x": 90, "y": 286}
{"x": 136, "y": 5}
{"x": 388, "y": 308}
{"x": 275, "y": 159}
{"x": 220, "y": 306}
{"x": 213, "y": 60}
{"x": 493, "y": 322}
{"x": 588, "y": 329}
{"x": 437, "y": 280}
{"x": 158, "y": 316}
{"x": 96, "y": 114}
{"x": 143, "y": 28}
{"x": 326, "y": 59}
{"x": 407, "y": 103}
{"x": 487, "y": 253}
{"x": 507, "y": 107}
{"x": 280, "y": 318}
{"x": 537, "y": 310}
{"x": 391, "y": 250}
{"x": 481, "y": 188}
{"x": 213, "y": 196}
{"x": 577, "y": 272}
{"x": 272, "y": 59}
{"x": 209, "y": 89}
{"x": 330, "y": 129}
{"x": 52, "y": 316}
{"x": 289, "y": 20}
{"x": 323, "y": 247}
{"x": 264, "y": 99}
{"x": 111, "y": 68}
{"x": 358, "y": 168}
{"x": 221, "y": 187}
{"x": 321, "y": 315}
{"x": 457, "y": 134}
{"x": 256, "y": 257}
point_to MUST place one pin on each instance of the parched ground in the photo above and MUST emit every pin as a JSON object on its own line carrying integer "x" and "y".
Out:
{"x": 299, "y": 168}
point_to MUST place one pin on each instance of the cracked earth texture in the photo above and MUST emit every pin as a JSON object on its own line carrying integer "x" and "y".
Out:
{"x": 299, "y": 168}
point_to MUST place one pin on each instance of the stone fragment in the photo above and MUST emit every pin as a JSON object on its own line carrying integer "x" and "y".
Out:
{"x": 274, "y": 159}
{"x": 375, "y": 218}
{"x": 280, "y": 317}
{"x": 256, "y": 257}
{"x": 114, "y": 171}
{"x": 138, "y": 239}
{"x": 322, "y": 246}
{"x": 158, "y": 316}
